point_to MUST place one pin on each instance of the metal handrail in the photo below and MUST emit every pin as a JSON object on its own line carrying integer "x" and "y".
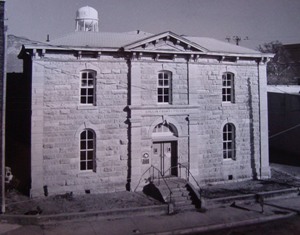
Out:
{"x": 152, "y": 177}
{"x": 188, "y": 174}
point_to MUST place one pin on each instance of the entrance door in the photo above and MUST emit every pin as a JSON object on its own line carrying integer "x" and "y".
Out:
{"x": 165, "y": 157}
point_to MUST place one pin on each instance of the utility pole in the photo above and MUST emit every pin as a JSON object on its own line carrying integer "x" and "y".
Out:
{"x": 237, "y": 39}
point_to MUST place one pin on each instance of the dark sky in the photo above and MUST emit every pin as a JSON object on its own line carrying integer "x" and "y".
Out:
{"x": 259, "y": 20}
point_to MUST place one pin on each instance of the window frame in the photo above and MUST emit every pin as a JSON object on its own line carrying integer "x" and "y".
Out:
{"x": 164, "y": 87}
{"x": 87, "y": 151}
{"x": 229, "y": 141}
{"x": 89, "y": 99}
{"x": 228, "y": 87}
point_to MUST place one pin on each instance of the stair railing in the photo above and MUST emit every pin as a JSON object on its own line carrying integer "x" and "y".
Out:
{"x": 151, "y": 171}
{"x": 188, "y": 174}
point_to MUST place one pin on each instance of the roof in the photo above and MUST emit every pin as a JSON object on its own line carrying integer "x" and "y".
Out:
{"x": 285, "y": 89}
{"x": 99, "y": 39}
{"x": 139, "y": 40}
{"x": 215, "y": 45}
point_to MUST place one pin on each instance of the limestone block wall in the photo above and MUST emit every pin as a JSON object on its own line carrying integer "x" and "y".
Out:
{"x": 126, "y": 113}
{"x": 63, "y": 119}
{"x": 214, "y": 114}
{"x": 149, "y": 74}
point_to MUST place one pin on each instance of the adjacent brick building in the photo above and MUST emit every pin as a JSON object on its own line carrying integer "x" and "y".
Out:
{"x": 107, "y": 106}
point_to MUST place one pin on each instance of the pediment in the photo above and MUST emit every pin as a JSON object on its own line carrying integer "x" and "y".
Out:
{"x": 165, "y": 42}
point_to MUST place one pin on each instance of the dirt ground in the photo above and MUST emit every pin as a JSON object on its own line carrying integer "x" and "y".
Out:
{"x": 67, "y": 203}
{"x": 20, "y": 204}
{"x": 279, "y": 180}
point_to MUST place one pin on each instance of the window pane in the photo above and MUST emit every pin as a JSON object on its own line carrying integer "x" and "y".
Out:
{"x": 91, "y": 82}
{"x": 159, "y": 91}
{"x": 166, "y": 75}
{"x": 82, "y": 165}
{"x": 91, "y": 75}
{"x": 83, "y": 75}
{"x": 82, "y": 155}
{"x": 90, "y": 165}
{"x": 90, "y": 100}
{"x": 166, "y": 91}
{"x": 160, "y": 75}
{"x": 166, "y": 99}
{"x": 83, "y": 91}
{"x": 83, "y": 82}
{"x": 90, "y": 155}
{"x": 159, "y": 99}
{"x": 90, "y": 91}
{"x": 166, "y": 82}
{"x": 160, "y": 82}
{"x": 90, "y": 135}
{"x": 90, "y": 144}
{"x": 83, "y": 144}
{"x": 83, "y": 135}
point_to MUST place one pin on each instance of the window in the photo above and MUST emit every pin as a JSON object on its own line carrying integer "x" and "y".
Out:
{"x": 88, "y": 87}
{"x": 87, "y": 150}
{"x": 164, "y": 87}
{"x": 227, "y": 87}
{"x": 229, "y": 141}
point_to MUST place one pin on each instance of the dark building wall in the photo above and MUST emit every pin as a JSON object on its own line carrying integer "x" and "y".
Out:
{"x": 2, "y": 71}
{"x": 284, "y": 128}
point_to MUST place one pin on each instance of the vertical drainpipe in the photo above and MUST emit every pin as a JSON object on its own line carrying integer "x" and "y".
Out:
{"x": 259, "y": 118}
{"x": 188, "y": 102}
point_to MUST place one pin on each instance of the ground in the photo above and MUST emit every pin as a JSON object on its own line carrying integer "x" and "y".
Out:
{"x": 20, "y": 204}
{"x": 67, "y": 203}
{"x": 279, "y": 180}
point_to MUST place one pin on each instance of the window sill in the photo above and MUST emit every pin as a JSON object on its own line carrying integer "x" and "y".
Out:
{"x": 86, "y": 173}
{"x": 88, "y": 107}
{"x": 228, "y": 160}
{"x": 227, "y": 103}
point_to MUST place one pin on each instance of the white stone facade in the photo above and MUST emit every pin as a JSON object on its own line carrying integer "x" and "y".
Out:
{"x": 126, "y": 112}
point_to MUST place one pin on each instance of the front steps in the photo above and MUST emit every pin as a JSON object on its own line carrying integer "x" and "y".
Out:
{"x": 181, "y": 196}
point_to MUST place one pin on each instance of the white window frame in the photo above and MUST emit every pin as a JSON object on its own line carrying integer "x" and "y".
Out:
{"x": 229, "y": 135}
{"x": 228, "y": 87}
{"x": 87, "y": 155}
{"x": 164, "y": 87}
{"x": 88, "y": 87}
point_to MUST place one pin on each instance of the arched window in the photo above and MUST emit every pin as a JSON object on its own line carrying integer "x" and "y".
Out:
{"x": 228, "y": 87}
{"x": 87, "y": 150}
{"x": 164, "y": 129}
{"x": 164, "y": 93}
{"x": 88, "y": 87}
{"x": 229, "y": 141}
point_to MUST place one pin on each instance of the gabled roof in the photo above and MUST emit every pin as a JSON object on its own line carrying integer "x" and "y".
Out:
{"x": 99, "y": 39}
{"x": 214, "y": 45}
{"x": 139, "y": 41}
{"x": 167, "y": 37}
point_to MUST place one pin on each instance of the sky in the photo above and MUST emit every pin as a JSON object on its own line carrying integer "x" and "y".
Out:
{"x": 260, "y": 21}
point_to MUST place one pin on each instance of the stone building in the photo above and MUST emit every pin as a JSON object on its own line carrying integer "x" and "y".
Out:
{"x": 109, "y": 110}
